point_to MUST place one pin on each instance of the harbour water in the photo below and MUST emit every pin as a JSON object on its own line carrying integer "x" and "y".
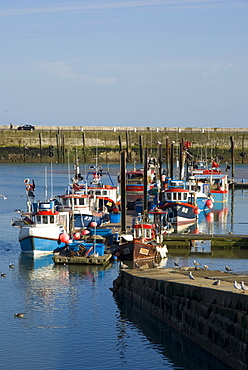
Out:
{"x": 71, "y": 318}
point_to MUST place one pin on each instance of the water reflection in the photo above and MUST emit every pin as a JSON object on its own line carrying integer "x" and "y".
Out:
{"x": 50, "y": 289}
{"x": 177, "y": 350}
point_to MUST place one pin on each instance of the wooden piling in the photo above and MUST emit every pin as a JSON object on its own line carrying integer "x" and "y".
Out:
{"x": 120, "y": 144}
{"x": 40, "y": 144}
{"x": 167, "y": 156}
{"x": 123, "y": 192}
{"x": 84, "y": 153}
{"x": 145, "y": 201}
{"x": 141, "y": 148}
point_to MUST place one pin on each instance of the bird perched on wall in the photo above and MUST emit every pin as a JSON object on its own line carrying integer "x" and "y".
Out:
{"x": 206, "y": 267}
{"x": 228, "y": 268}
{"x": 217, "y": 282}
{"x": 243, "y": 286}
{"x": 196, "y": 263}
{"x": 176, "y": 264}
{"x": 123, "y": 265}
{"x": 191, "y": 276}
{"x": 136, "y": 265}
{"x": 236, "y": 285}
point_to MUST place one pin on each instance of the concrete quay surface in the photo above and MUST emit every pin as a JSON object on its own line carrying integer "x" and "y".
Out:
{"x": 203, "y": 277}
{"x": 213, "y": 316}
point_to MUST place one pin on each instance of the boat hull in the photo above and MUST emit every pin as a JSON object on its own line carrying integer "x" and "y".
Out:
{"x": 39, "y": 240}
{"x": 181, "y": 213}
{"x": 136, "y": 250}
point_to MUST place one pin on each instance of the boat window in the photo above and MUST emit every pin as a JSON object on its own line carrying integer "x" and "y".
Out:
{"x": 45, "y": 220}
{"x": 169, "y": 196}
{"x": 184, "y": 196}
{"x": 179, "y": 196}
{"x": 105, "y": 192}
{"x": 148, "y": 233}
{"x": 81, "y": 201}
{"x": 51, "y": 219}
{"x": 38, "y": 219}
{"x": 174, "y": 196}
{"x": 98, "y": 192}
{"x": 75, "y": 201}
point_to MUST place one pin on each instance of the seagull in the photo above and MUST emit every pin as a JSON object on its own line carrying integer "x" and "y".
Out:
{"x": 176, "y": 264}
{"x": 123, "y": 265}
{"x": 243, "y": 286}
{"x": 236, "y": 285}
{"x": 196, "y": 263}
{"x": 11, "y": 265}
{"x": 3, "y": 196}
{"x": 228, "y": 268}
{"x": 191, "y": 276}
{"x": 136, "y": 265}
{"x": 20, "y": 314}
{"x": 3, "y": 274}
{"x": 217, "y": 282}
{"x": 206, "y": 267}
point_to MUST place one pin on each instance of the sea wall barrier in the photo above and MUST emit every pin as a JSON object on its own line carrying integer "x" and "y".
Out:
{"x": 215, "y": 317}
{"x": 58, "y": 144}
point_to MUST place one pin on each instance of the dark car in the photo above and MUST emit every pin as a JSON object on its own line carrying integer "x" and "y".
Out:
{"x": 26, "y": 127}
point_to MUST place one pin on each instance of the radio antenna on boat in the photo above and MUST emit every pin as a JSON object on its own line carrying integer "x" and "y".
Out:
{"x": 45, "y": 183}
{"x": 69, "y": 168}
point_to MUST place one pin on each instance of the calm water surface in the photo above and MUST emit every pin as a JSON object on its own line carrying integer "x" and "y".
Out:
{"x": 72, "y": 319}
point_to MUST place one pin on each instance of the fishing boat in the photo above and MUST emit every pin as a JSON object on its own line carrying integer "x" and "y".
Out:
{"x": 97, "y": 183}
{"x": 40, "y": 227}
{"x": 146, "y": 242}
{"x": 214, "y": 177}
{"x": 135, "y": 182}
{"x": 180, "y": 203}
{"x": 83, "y": 208}
{"x": 90, "y": 201}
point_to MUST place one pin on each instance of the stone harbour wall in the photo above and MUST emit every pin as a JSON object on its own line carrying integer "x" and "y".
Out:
{"x": 217, "y": 320}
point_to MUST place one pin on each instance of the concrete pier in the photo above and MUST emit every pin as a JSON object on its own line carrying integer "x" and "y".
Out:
{"x": 213, "y": 316}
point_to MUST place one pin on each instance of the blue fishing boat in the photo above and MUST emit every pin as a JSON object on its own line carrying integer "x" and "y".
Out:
{"x": 40, "y": 227}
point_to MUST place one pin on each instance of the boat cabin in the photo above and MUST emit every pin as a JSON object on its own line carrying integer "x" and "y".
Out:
{"x": 144, "y": 231}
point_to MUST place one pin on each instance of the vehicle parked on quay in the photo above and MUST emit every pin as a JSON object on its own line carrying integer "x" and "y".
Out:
{"x": 26, "y": 127}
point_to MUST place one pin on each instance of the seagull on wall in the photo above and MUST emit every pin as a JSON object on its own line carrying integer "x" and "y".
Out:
{"x": 217, "y": 282}
{"x": 236, "y": 285}
{"x": 123, "y": 265}
{"x": 243, "y": 286}
{"x": 191, "y": 276}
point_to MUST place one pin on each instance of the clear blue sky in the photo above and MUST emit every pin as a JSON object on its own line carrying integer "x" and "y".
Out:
{"x": 134, "y": 63}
